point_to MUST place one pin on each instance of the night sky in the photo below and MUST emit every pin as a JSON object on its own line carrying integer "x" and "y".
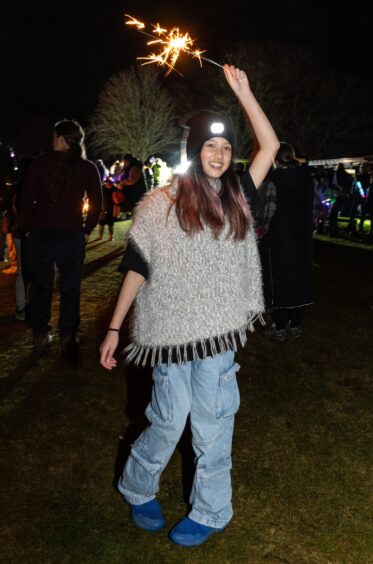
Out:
{"x": 55, "y": 56}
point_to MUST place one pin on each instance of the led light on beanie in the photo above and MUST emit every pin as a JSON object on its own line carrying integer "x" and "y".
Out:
{"x": 204, "y": 125}
{"x": 217, "y": 128}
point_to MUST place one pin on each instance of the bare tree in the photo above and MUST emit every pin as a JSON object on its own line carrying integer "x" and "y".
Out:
{"x": 319, "y": 110}
{"x": 134, "y": 114}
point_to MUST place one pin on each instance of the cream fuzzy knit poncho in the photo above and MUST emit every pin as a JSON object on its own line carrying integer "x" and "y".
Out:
{"x": 199, "y": 291}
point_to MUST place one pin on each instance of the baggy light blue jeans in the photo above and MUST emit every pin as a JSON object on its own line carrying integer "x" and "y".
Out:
{"x": 208, "y": 391}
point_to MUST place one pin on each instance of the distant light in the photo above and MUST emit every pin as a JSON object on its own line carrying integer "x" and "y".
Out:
{"x": 217, "y": 127}
{"x": 181, "y": 168}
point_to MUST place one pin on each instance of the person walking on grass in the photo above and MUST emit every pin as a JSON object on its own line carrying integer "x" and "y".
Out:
{"x": 51, "y": 215}
{"x": 192, "y": 265}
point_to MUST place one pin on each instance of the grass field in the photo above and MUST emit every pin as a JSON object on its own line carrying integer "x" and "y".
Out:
{"x": 302, "y": 453}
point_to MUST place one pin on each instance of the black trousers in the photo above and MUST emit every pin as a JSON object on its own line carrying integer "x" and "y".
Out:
{"x": 283, "y": 316}
{"x": 47, "y": 250}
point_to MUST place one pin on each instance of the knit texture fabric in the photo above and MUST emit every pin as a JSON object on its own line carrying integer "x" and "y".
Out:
{"x": 198, "y": 289}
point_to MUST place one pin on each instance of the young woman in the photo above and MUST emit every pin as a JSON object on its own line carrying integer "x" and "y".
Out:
{"x": 192, "y": 266}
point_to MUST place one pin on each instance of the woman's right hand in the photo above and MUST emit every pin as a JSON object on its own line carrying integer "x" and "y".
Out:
{"x": 107, "y": 349}
{"x": 237, "y": 80}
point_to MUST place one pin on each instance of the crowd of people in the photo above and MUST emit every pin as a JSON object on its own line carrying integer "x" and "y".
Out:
{"x": 124, "y": 183}
{"x": 209, "y": 252}
{"x": 294, "y": 202}
{"x": 292, "y": 196}
{"x": 121, "y": 186}
{"x": 341, "y": 202}
{"x": 347, "y": 199}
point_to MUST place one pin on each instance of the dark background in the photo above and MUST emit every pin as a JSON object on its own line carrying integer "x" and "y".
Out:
{"x": 55, "y": 56}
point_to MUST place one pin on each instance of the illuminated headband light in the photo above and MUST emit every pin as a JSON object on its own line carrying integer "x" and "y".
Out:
{"x": 217, "y": 127}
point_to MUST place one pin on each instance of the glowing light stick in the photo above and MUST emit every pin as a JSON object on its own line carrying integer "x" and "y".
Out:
{"x": 172, "y": 44}
{"x": 326, "y": 202}
{"x": 360, "y": 188}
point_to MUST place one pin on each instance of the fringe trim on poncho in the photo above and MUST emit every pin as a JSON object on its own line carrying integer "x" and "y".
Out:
{"x": 140, "y": 354}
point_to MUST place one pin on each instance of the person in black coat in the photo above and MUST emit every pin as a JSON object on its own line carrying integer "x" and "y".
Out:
{"x": 132, "y": 182}
{"x": 57, "y": 226}
{"x": 290, "y": 242}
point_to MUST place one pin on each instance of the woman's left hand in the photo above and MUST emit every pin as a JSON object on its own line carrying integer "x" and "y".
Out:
{"x": 237, "y": 80}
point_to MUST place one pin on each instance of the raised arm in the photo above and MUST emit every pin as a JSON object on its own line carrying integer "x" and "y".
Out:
{"x": 266, "y": 139}
{"x": 130, "y": 288}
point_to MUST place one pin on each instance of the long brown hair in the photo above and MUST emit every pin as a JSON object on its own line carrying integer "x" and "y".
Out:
{"x": 196, "y": 203}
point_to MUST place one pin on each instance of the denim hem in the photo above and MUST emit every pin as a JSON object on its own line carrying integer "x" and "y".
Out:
{"x": 137, "y": 499}
{"x": 214, "y": 523}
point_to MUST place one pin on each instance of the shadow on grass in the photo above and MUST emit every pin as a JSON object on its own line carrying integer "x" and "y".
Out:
{"x": 93, "y": 265}
{"x": 16, "y": 375}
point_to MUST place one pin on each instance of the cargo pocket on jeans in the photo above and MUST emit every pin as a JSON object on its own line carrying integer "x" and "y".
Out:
{"x": 229, "y": 395}
{"x": 161, "y": 401}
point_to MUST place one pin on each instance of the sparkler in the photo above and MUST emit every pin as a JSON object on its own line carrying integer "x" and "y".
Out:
{"x": 85, "y": 208}
{"x": 172, "y": 43}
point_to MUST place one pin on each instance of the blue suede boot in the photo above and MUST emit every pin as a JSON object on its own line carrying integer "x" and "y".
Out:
{"x": 148, "y": 516}
{"x": 190, "y": 533}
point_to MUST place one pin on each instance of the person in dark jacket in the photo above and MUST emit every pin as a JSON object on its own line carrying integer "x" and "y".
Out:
{"x": 360, "y": 189}
{"x": 370, "y": 202}
{"x": 20, "y": 242}
{"x": 132, "y": 182}
{"x": 55, "y": 216}
{"x": 290, "y": 245}
{"x": 107, "y": 216}
{"x": 108, "y": 188}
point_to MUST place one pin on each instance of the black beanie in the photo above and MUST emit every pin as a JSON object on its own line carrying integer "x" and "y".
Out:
{"x": 203, "y": 126}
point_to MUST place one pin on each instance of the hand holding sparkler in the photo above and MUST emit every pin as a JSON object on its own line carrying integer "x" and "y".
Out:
{"x": 237, "y": 80}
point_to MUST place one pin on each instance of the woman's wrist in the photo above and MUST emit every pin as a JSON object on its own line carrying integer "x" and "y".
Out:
{"x": 114, "y": 329}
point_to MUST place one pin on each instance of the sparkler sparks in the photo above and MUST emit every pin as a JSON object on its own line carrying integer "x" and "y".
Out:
{"x": 133, "y": 21}
{"x": 85, "y": 208}
{"x": 172, "y": 44}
